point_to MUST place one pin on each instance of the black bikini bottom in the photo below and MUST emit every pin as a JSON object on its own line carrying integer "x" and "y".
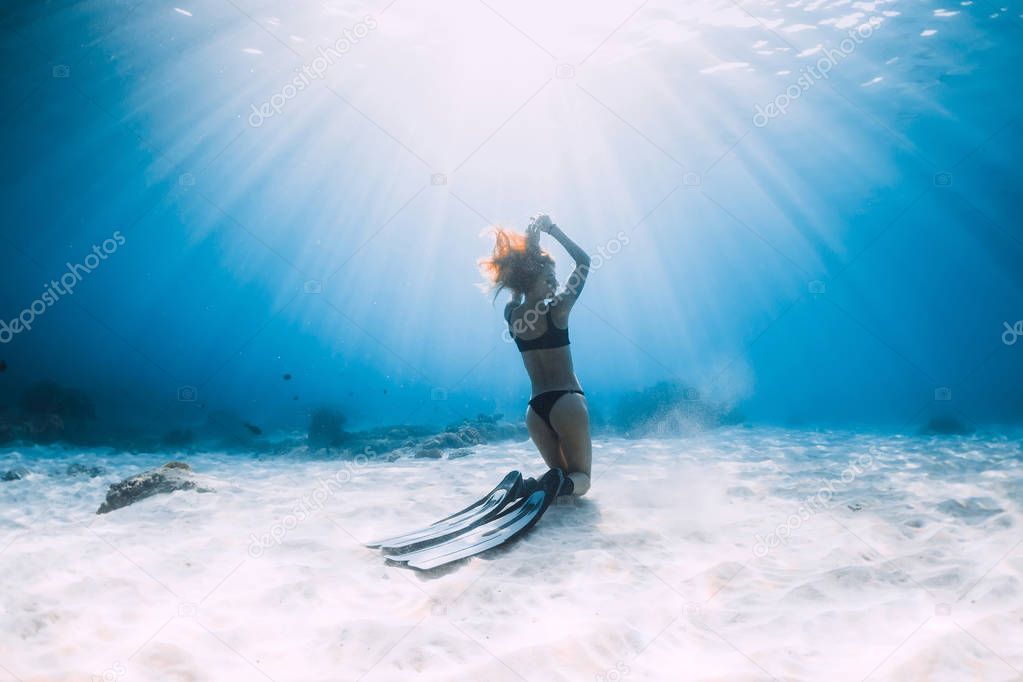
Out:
{"x": 543, "y": 403}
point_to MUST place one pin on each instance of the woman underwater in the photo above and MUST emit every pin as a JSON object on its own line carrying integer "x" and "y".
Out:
{"x": 537, "y": 317}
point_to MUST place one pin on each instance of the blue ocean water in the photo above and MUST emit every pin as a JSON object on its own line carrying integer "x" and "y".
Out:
{"x": 240, "y": 233}
{"x": 807, "y": 212}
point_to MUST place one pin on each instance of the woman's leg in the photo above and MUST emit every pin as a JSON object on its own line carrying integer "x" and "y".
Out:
{"x": 546, "y": 441}
{"x": 571, "y": 420}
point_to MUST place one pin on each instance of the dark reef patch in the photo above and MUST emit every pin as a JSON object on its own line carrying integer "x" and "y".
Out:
{"x": 945, "y": 425}
{"x": 326, "y": 428}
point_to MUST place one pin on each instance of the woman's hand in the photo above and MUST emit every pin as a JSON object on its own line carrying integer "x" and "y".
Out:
{"x": 533, "y": 236}
{"x": 541, "y": 222}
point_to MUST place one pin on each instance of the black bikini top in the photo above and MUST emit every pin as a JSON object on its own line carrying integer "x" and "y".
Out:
{"x": 553, "y": 337}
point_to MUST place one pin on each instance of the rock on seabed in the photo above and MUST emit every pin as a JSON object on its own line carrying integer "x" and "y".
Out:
{"x": 168, "y": 478}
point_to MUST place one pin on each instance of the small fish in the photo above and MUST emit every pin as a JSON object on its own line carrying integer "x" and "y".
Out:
{"x": 253, "y": 428}
{"x": 3, "y": 365}
{"x": 294, "y": 397}
{"x": 287, "y": 377}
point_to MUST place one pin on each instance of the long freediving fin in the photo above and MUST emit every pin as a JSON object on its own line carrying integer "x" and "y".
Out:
{"x": 511, "y": 523}
{"x": 477, "y": 513}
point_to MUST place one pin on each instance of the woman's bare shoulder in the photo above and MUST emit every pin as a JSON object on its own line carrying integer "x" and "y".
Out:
{"x": 511, "y": 309}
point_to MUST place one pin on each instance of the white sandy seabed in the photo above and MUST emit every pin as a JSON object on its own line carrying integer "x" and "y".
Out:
{"x": 734, "y": 555}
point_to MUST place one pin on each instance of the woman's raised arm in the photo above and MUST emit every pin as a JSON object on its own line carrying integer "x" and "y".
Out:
{"x": 576, "y": 281}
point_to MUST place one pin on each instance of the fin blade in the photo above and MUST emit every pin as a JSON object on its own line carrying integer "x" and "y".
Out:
{"x": 484, "y": 508}
{"x": 511, "y": 523}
